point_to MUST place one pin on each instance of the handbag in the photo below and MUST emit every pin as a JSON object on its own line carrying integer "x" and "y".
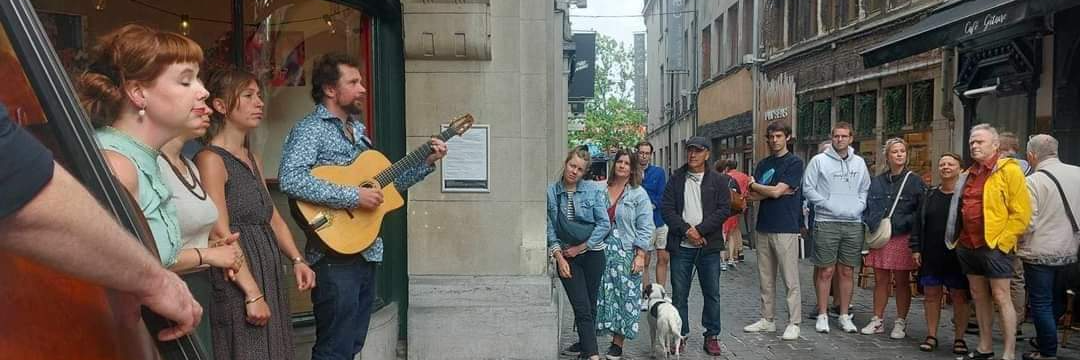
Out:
{"x": 571, "y": 232}
{"x": 878, "y": 238}
{"x": 738, "y": 199}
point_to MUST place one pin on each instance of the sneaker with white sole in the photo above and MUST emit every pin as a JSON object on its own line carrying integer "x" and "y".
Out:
{"x": 791, "y": 333}
{"x": 762, "y": 325}
{"x": 847, "y": 324}
{"x": 899, "y": 329}
{"x": 822, "y": 325}
{"x": 876, "y": 326}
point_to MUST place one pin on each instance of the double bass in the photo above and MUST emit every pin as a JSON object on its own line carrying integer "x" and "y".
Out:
{"x": 45, "y": 314}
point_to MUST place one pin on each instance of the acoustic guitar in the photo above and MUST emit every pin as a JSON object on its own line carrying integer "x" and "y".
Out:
{"x": 350, "y": 231}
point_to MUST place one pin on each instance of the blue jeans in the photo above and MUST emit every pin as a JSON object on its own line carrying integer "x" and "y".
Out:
{"x": 683, "y": 263}
{"x": 1046, "y": 297}
{"x": 342, "y": 298}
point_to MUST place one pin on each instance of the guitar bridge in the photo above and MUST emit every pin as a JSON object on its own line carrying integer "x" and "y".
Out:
{"x": 321, "y": 221}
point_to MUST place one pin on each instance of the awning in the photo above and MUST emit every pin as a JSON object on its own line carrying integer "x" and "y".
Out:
{"x": 958, "y": 21}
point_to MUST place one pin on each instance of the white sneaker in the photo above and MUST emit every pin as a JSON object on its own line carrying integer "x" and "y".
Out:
{"x": 847, "y": 324}
{"x": 898, "y": 330}
{"x": 822, "y": 325}
{"x": 876, "y": 326}
{"x": 791, "y": 333}
{"x": 762, "y": 325}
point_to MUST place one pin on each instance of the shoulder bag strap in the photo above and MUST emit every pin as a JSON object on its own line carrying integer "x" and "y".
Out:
{"x": 897, "y": 200}
{"x": 1064, "y": 200}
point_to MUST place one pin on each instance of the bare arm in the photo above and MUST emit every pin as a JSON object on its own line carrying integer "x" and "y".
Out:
{"x": 305, "y": 277}
{"x": 86, "y": 242}
{"x": 770, "y": 192}
{"x": 214, "y": 176}
{"x": 124, "y": 171}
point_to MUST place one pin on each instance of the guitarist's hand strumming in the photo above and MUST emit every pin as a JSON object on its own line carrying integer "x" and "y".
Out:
{"x": 370, "y": 199}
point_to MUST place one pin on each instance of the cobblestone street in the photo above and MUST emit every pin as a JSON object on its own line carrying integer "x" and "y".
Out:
{"x": 741, "y": 306}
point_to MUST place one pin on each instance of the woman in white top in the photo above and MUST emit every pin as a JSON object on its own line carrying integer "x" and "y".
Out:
{"x": 197, "y": 215}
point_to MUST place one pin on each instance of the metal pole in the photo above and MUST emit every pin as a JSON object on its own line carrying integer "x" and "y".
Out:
{"x": 671, "y": 121}
{"x": 238, "y": 33}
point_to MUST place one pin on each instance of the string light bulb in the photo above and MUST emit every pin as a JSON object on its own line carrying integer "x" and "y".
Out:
{"x": 329, "y": 23}
{"x": 99, "y": 5}
{"x": 185, "y": 25}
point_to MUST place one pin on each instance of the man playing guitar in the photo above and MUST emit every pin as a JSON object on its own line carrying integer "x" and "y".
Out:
{"x": 333, "y": 134}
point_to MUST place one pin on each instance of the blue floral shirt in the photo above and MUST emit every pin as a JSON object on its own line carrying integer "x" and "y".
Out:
{"x": 319, "y": 139}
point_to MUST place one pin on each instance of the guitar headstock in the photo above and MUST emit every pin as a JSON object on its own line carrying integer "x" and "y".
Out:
{"x": 461, "y": 124}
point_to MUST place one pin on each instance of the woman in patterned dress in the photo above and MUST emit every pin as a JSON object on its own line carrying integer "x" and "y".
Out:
{"x": 232, "y": 177}
{"x": 893, "y": 263}
{"x": 197, "y": 215}
{"x": 631, "y": 222}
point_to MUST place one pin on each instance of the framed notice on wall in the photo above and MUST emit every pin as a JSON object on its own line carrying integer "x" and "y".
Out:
{"x": 466, "y": 165}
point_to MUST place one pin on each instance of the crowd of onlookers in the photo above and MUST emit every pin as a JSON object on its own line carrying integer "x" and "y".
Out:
{"x": 1000, "y": 231}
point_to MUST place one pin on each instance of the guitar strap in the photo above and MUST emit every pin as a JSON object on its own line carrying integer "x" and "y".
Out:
{"x": 367, "y": 142}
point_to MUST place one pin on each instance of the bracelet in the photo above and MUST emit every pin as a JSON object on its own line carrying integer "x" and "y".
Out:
{"x": 253, "y": 300}
{"x": 199, "y": 252}
{"x": 298, "y": 260}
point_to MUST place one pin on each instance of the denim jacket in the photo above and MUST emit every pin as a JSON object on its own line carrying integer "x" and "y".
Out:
{"x": 590, "y": 206}
{"x": 633, "y": 220}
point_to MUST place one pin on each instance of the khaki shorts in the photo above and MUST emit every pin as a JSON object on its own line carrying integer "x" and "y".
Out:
{"x": 838, "y": 242}
{"x": 659, "y": 238}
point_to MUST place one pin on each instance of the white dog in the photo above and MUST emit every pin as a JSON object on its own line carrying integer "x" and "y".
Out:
{"x": 665, "y": 324}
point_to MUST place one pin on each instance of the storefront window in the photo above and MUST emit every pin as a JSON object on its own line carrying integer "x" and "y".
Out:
{"x": 805, "y": 119}
{"x": 922, "y": 104}
{"x": 1008, "y": 113}
{"x": 895, "y": 109}
{"x": 867, "y": 113}
{"x": 845, "y": 109}
{"x": 822, "y": 118}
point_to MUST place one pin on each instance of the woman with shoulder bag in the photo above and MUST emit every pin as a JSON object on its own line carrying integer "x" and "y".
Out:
{"x": 893, "y": 201}
{"x": 577, "y": 224}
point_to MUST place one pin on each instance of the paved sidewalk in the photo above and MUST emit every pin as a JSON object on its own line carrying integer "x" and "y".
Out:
{"x": 741, "y": 306}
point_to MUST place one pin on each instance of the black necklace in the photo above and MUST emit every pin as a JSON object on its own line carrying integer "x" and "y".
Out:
{"x": 190, "y": 187}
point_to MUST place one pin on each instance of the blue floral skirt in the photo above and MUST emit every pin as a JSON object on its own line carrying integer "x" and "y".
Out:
{"x": 618, "y": 307}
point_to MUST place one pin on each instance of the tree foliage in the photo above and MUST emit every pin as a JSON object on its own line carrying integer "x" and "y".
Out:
{"x": 611, "y": 121}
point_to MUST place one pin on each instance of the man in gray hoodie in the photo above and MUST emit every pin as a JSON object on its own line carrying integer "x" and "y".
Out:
{"x": 835, "y": 184}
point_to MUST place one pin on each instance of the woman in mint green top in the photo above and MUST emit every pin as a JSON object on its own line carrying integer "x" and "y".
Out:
{"x": 153, "y": 194}
{"x": 138, "y": 105}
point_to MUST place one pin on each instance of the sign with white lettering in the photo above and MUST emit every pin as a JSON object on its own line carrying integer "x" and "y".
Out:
{"x": 989, "y": 21}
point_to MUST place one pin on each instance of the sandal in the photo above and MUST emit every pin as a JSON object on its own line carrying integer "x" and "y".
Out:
{"x": 959, "y": 347}
{"x": 929, "y": 345}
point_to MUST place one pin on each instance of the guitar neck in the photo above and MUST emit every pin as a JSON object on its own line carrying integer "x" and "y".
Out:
{"x": 412, "y": 160}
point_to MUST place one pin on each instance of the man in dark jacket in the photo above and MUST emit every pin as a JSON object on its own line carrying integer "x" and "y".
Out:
{"x": 695, "y": 205}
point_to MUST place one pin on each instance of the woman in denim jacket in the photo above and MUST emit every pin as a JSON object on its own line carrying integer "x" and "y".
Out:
{"x": 580, "y": 266}
{"x": 893, "y": 263}
{"x": 630, "y": 211}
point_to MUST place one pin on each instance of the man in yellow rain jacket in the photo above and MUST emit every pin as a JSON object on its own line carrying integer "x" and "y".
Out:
{"x": 989, "y": 212}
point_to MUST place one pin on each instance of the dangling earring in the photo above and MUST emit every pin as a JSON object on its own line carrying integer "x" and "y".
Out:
{"x": 142, "y": 114}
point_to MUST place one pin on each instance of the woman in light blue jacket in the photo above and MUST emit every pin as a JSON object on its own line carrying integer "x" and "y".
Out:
{"x": 620, "y": 289}
{"x": 577, "y": 225}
